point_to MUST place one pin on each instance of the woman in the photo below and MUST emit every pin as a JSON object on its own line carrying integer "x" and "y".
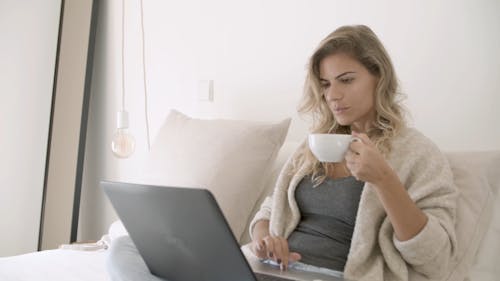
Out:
{"x": 388, "y": 211}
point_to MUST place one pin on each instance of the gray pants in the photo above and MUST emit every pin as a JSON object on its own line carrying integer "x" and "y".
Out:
{"x": 124, "y": 263}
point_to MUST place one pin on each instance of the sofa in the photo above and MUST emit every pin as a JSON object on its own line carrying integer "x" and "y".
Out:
{"x": 239, "y": 161}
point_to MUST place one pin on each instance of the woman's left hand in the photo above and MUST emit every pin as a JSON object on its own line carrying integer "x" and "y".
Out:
{"x": 366, "y": 163}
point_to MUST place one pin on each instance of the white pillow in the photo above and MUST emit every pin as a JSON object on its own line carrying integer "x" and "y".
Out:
{"x": 231, "y": 158}
{"x": 116, "y": 229}
{"x": 486, "y": 266}
{"x": 476, "y": 178}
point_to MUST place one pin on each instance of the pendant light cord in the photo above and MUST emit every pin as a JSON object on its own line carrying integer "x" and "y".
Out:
{"x": 123, "y": 55}
{"x": 143, "y": 69}
{"x": 144, "y": 78}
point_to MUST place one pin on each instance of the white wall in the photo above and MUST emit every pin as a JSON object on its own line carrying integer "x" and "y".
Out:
{"x": 445, "y": 52}
{"x": 28, "y": 32}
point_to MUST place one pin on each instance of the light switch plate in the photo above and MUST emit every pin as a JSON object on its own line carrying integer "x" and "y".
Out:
{"x": 206, "y": 90}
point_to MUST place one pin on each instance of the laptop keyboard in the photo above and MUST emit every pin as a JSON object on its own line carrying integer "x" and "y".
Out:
{"x": 265, "y": 277}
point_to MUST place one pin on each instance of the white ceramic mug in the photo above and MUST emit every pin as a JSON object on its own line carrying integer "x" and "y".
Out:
{"x": 330, "y": 147}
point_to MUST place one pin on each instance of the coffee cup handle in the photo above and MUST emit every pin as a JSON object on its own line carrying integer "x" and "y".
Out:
{"x": 356, "y": 139}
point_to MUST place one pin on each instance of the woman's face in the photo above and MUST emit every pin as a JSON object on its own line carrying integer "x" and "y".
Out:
{"x": 349, "y": 90}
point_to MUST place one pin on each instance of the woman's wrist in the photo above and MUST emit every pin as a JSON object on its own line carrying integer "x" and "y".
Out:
{"x": 388, "y": 179}
{"x": 260, "y": 229}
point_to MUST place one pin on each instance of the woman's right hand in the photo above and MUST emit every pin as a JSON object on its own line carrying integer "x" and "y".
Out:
{"x": 275, "y": 248}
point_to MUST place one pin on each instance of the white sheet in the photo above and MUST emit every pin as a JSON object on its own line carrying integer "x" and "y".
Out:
{"x": 55, "y": 265}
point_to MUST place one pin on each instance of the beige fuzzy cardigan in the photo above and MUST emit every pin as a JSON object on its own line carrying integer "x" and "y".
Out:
{"x": 375, "y": 253}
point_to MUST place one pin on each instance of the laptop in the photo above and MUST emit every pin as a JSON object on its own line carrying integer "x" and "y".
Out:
{"x": 182, "y": 235}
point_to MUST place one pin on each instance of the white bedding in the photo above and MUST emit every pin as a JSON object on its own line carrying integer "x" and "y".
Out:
{"x": 61, "y": 264}
{"x": 55, "y": 265}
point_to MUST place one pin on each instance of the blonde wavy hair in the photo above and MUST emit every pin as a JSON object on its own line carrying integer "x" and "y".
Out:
{"x": 361, "y": 43}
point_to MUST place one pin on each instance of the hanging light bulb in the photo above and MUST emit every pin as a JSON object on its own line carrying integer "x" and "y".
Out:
{"x": 123, "y": 143}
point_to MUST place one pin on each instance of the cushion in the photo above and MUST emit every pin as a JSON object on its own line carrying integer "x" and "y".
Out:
{"x": 486, "y": 266}
{"x": 284, "y": 154}
{"x": 475, "y": 178}
{"x": 116, "y": 230}
{"x": 230, "y": 158}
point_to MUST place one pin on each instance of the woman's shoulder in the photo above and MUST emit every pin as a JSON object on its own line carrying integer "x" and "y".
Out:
{"x": 410, "y": 138}
{"x": 410, "y": 143}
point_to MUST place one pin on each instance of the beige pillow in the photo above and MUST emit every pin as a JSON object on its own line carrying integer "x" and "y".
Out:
{"x": 486, "y": 263}
{"x": 231, "y": 158}
{"x": 284, "y": 154}
{"x": 476, "y": 178}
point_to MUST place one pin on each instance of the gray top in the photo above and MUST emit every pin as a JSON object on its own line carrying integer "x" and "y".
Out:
{"x": 328, "y": 213}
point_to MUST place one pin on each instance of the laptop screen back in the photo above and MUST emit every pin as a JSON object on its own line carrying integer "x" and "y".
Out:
{"x": 181, "y": 233}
